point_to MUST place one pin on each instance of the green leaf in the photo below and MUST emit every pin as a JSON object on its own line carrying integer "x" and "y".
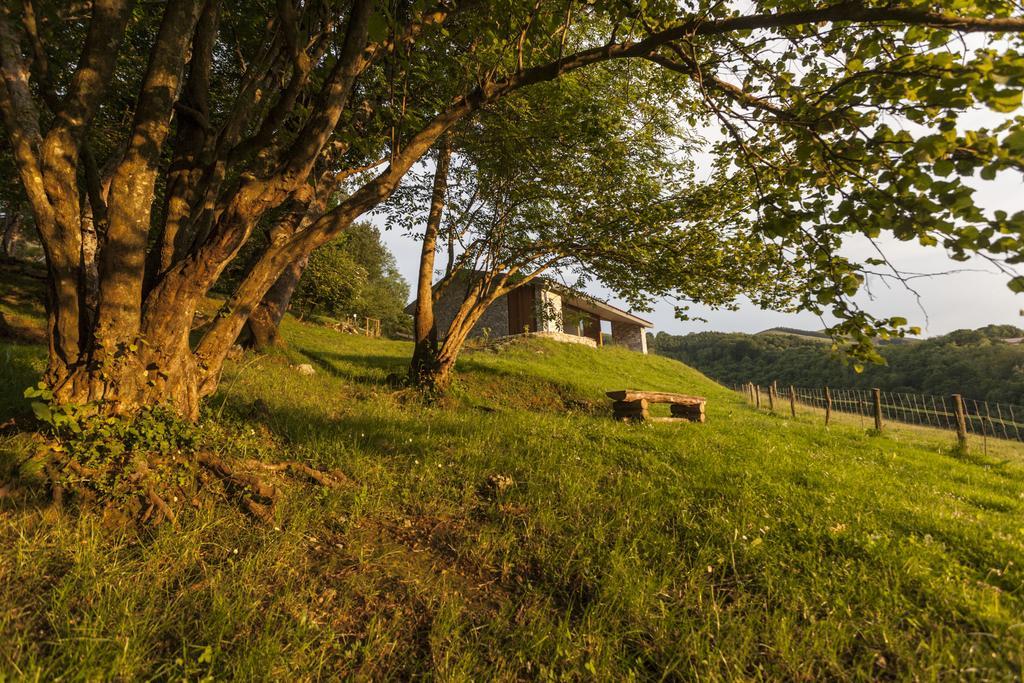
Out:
{"x": 42, "y": 412}
{"x": 1006, "y": 101}
{"x": 1014, "y": 142}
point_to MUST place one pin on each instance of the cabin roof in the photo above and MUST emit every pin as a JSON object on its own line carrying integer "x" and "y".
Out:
{"x": 602, "y": 310}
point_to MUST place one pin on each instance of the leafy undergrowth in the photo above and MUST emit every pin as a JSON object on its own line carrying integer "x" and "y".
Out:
{"x": 514, "y": 531}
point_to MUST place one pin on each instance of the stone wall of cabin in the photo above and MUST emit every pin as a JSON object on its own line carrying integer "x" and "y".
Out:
{"x": 630, "y": 335}
{"x": 549, "y": 317}
{"x": 493, "y": 323}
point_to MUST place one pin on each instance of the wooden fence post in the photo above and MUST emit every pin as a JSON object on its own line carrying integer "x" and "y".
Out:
{"x": 877, "y": 396}
{"x": 771, "y": 397}
{"x": 828, "y": 405}
{"x": 792, "y": 400}
{"x": 757, "y": 395}
{"x": 961, "y": 420}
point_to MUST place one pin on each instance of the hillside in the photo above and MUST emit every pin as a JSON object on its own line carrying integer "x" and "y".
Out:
{"x": 975, "y": 363}
{"x": 514, "y": 531}
{"x": 807, "y": 334}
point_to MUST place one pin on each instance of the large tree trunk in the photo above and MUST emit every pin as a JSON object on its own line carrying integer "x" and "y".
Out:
{"x": 424, "y": 355}
{"x": 156, "y": 367}
{"x": 481, "y": 294}
{"x": 262, "y": 330}
{"x": 436, "y": 374}
{"x": 134, "y": 351}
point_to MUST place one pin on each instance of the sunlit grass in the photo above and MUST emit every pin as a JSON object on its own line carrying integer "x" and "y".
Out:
{"x": 513, "y": 530}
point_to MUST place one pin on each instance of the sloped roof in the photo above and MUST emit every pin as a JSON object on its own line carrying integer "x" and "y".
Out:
{"x": 602, "y": 310}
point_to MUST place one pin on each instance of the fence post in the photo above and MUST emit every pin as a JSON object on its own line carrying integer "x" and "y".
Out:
{"x": 828, "y": 405}
{"x": 757, "y": 395}
{"x": 771, "y": 397}
{"x": 877, "y": 396}
{"x": 961, "y": 420}
{"x": 792, "y": 400}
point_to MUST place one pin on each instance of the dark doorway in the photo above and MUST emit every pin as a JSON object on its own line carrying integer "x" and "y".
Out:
{"x": 520, "y": 310}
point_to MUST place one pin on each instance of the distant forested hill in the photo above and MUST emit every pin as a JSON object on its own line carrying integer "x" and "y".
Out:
{"x": 980, "y": 364}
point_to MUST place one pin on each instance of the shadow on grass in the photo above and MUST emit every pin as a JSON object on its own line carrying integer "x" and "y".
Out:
{"x": 22, "y": 487}
{"x": 488, "y": 385}
{"x": 17, "y": 372}
{"x": 355, "y": 367}
{"x": 24, "y": 291}
{"x": 339, "y": 441}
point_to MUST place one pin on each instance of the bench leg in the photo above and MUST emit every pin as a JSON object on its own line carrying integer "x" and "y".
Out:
{"x": 631, "y": 410}
{"x": 694, "y": 412}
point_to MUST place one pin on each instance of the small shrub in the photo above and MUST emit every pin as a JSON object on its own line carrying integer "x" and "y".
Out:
{"x": 89, "y": 436}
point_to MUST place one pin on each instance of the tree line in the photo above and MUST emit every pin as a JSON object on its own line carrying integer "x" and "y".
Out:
{"x": 978, "y": 364}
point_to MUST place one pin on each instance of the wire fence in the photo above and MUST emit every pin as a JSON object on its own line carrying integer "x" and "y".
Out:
{"x": 971, "y": 417}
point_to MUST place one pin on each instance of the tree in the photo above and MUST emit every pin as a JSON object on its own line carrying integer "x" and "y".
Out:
{"x": 603, "y": 189}
{"x": 354, "y": 275}
{"x": 172, "y": 137}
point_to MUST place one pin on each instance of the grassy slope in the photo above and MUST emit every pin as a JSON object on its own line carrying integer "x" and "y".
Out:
{"x": 752, "y": 546}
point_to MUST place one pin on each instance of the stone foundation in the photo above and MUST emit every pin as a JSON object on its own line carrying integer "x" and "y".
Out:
{"x": 559, "y": 337}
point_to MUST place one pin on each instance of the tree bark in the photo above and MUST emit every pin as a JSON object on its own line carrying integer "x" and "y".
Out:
{"x": 436, "y": 377}
{"x": 119, "y": 365}
{"x": 424, "y": 356}
{"x": 48, "y": 168}
{"x": 262, "y": 330}
{"x": 122, "y": 269}
{"x": 190, "y": 141}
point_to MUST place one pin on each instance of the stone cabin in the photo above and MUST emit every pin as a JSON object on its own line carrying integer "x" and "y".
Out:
{"x": 545, "y": 308}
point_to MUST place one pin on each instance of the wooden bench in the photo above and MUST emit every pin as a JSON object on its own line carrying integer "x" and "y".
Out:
{"x": 632, "y": 405}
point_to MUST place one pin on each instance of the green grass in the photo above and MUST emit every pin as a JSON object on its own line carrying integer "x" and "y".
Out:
{"x": 514, "y": 531}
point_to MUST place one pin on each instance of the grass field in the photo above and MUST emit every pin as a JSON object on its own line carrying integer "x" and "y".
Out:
{"x": 514, "y": 531}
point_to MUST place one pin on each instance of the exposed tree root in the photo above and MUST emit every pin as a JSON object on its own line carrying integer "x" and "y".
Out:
{"x": 157, "y": 504}
{"x": 150, "y": 490}
{"x": 256, "y": 497}
{"x": 330, "y": 480}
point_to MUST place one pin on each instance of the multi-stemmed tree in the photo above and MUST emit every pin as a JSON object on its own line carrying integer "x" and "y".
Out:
{"x": 171, "y": 135}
